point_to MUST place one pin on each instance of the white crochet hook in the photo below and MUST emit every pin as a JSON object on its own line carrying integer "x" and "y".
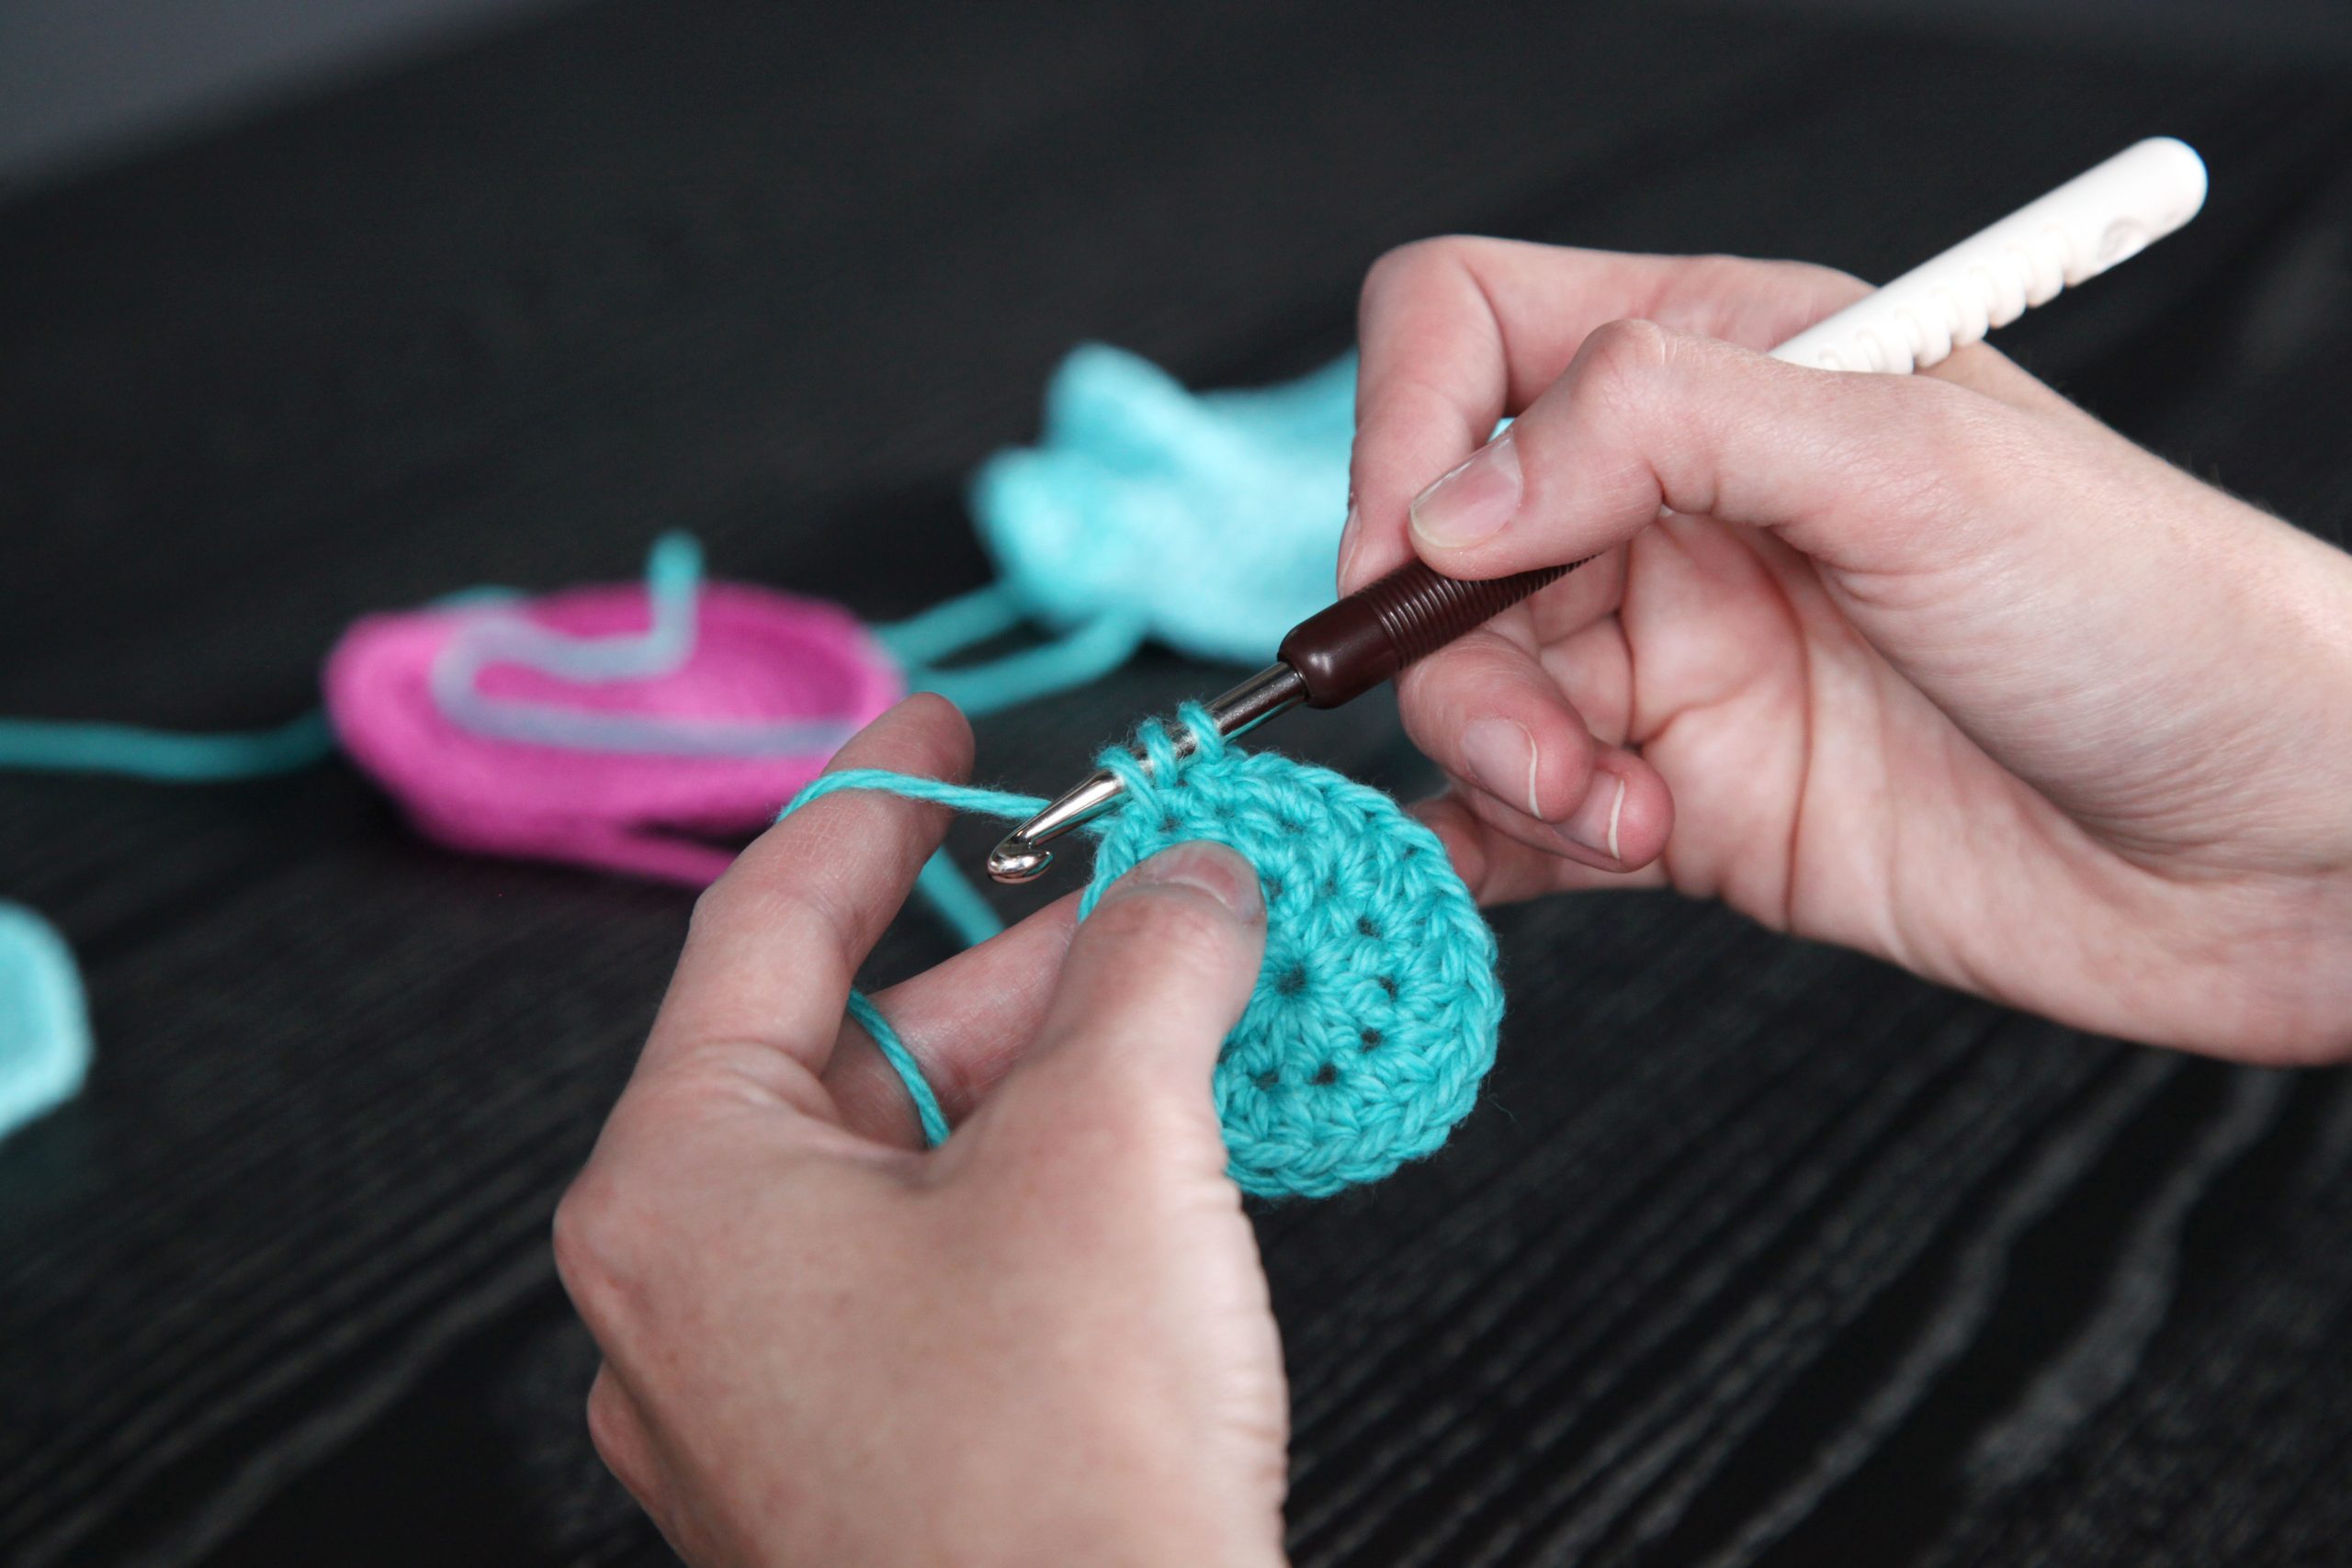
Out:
{"x": 2102, "y": 216}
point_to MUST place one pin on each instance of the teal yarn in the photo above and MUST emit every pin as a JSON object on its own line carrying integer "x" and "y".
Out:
{"x": 903, "y": 1063}
{"x": 1375, "y": 1014}
{"x": 951, "y": 896}
{"x": 1089, "y": 653}
{"x": 163, "y": 756}
{"x": 960, "y": 623}
{"x": 44, "y": 1023}
{"x": 1211, "y": 521}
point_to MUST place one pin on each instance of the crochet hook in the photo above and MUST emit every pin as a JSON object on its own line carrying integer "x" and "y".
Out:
{"x": 2097, "y": 218}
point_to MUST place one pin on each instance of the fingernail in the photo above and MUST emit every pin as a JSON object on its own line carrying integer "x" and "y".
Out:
{"x": 1350, "y": 538}
{"x": 1501, "y": 754}
{"x": 1205, "y": 868}
{"x": 1594, "y": 824}
{"x": 1474, "y": 501}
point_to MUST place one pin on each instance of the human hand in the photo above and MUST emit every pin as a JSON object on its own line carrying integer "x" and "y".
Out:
{"x": 1047, "y": 1340}
{"x": 1937, "y": 666}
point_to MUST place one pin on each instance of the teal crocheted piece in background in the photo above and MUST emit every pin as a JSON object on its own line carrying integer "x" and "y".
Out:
{"x": 1209, "y": 522}
{"x": 1376, "y": 1010}
{"x": 44, "y": 1024}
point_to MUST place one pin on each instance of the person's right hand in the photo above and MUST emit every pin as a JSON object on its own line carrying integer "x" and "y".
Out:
{"x": 1936, "y": 666}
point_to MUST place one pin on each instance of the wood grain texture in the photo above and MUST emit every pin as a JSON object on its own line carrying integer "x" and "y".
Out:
{"x": 1757, "y": 1252}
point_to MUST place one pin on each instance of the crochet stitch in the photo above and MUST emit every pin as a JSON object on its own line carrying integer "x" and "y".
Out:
{"x": 1375, "y": 1014}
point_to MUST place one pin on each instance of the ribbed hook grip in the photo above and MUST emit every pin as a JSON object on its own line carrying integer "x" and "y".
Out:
{"x": 2097, "y": 218}
{"x": 1365, "y": 638}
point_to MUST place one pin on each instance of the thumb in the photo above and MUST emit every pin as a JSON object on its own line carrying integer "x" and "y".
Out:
{"x": 1846, "y": 467}
{"x": 1154, "y": 980}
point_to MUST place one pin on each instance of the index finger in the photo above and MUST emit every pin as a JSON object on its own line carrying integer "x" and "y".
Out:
{"x": 775, "y": 943}
{"x": 1457, "y": 333}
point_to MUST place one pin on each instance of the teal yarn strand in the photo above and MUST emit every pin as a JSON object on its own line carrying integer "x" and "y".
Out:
{"x": 980, "y": 802}
{"x": 960, "y": 623}
{"x": 44, "y": 1021}
{"x": 1091, "y": 652}
{"x": 1376, "y": 1015}
{"x": 163, "y": 756}
{"x": 1209, "y": 522}
{"x": 902, "y": 1062}
{"x": 950, "y": 897}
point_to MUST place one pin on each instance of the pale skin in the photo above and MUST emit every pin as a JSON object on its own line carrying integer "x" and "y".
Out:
{"x": 1938, "y": 666}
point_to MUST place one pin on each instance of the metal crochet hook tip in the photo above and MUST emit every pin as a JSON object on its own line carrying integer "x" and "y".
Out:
{"x": 1021, "y": 855}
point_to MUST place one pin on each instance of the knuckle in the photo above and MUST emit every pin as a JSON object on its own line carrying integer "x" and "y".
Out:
{"x": 591, "y": 1243}
{"x": 1615, "y": 378}
{"x": 1622, "y": 357}
{"x": 713, "y": 907}
{"x": 1397, "y": 267}
{"x": 746, "y": 899}
{"x": 1408, "y": 269}
{"x": 605, "y": 1420}
{"x": 612, "y": 1431}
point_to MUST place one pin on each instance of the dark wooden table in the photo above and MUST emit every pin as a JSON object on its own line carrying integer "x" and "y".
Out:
{"x": 1756, "y": 1252}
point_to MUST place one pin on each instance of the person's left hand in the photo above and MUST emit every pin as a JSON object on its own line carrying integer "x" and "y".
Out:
{"x": 1047, "y": 1340}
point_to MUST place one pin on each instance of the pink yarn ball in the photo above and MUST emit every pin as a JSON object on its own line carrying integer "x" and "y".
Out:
{"x": 759, "y": 656}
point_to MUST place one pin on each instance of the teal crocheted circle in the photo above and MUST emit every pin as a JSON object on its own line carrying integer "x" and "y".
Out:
{"x": 1376, "y": 1010}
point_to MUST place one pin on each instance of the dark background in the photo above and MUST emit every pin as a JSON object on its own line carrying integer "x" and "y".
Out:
{"x": 1757, "y": 1252}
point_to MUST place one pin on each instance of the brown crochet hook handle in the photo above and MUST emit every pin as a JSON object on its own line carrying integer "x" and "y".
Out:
{"x": 1330, "y": 657}
{"x": 1372, "y": 634}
